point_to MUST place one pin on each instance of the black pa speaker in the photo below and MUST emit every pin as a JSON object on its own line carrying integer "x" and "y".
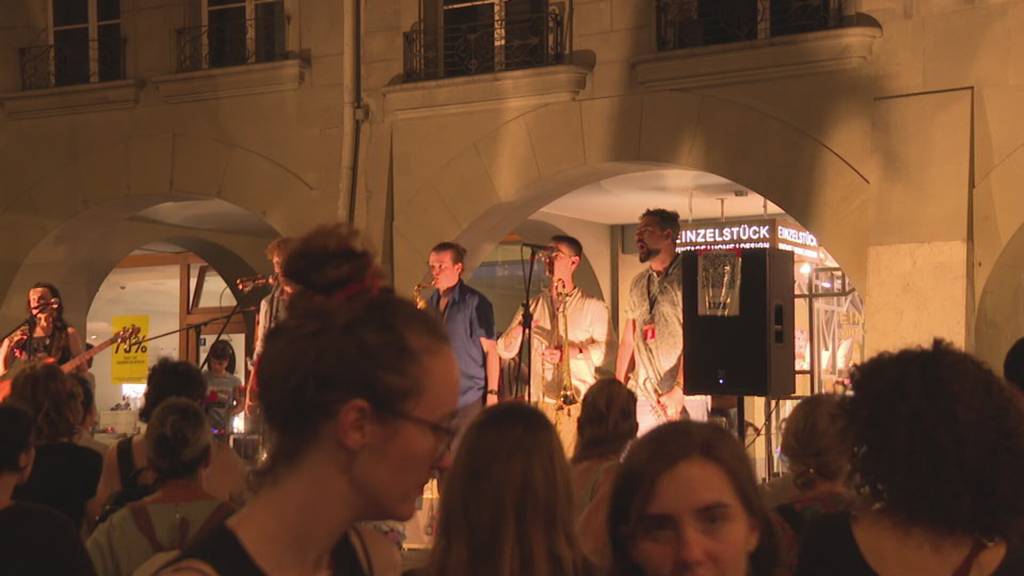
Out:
{"x": 750, "y": 354}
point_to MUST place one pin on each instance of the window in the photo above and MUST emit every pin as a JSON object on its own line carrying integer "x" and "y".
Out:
{"x": 460, "y": 37}
{"x": 86, "y": 40}
{"x": 234, "y": 32}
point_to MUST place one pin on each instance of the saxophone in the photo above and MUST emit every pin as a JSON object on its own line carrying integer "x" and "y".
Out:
{"x": 567, "y": 395}
{"x": 417, "y": 294}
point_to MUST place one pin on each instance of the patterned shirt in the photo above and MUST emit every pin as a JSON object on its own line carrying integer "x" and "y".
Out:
{"x": 589, "y": 328}
{"x": 657, "y": 300}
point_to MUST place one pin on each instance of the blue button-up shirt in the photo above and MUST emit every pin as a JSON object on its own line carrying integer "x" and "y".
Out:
{"x": 468, "y": 318}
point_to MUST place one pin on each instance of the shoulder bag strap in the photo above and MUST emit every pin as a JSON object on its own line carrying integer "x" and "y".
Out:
{"x": 145, "y": 525}
{"x": 357, "y": 537}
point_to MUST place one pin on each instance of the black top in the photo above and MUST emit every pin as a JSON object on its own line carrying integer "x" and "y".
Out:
{"x": 64, "y": 477}
{"x": 221, "y": 549}
{"x": 38, "y": 540}
{"x": 828, "y": 547}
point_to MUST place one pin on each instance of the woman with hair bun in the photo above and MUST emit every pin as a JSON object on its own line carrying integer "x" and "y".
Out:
{"x": 357, "y": 389}
{"x": 178, "y": 444}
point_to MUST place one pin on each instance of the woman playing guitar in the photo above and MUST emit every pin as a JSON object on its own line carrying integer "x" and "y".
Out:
{"x": 45, "y": 335}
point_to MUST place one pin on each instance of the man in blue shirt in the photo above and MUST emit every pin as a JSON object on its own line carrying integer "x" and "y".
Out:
{"x": 469, "y": 318}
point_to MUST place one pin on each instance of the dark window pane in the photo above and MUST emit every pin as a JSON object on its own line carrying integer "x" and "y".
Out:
{"x": 226, "y": 36}
{"x": 70, "y": 12}
{"x": 111, "y": 55}
{"x": 71, "y": 56}
{"x": 224, "y": 3}
{"x": 526, "y": 33}
{"x": 269, "y": 31}
{"x": 108, "y": 10}
{"x": 469, "y": 40}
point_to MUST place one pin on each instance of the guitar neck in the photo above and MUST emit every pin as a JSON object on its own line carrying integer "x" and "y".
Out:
{"x": 87, "y": 355}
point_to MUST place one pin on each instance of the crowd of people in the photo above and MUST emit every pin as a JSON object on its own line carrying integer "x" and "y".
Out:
{"x": 363, "y": 398}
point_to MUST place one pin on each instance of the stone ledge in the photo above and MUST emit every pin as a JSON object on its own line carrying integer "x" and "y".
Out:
{"x": 230, "y": 81}
{"x": 757, "y": 60}
{"x": 75, "y": 99}
{"x": 542, "y": 84}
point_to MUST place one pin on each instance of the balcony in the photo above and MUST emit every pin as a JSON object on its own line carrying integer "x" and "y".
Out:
{"x": 691, "y": 23}
{"x": 231, "y": 43}
{"x": 55, "y": 65}
{"x": 484, "y": 47}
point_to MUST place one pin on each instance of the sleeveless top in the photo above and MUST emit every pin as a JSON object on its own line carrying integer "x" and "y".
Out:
{"x": 56, "y": 345}
{"x": 223, "y": 551}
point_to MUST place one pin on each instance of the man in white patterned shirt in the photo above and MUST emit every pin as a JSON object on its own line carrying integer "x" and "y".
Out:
{"x": 590, "y": 340}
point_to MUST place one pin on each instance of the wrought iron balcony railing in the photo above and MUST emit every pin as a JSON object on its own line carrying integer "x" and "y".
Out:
{"x": 231, "y": 43}
{"x": 52, "y": 65}
{"x": 689, "y": 23}
{"x": 482, "y": 47}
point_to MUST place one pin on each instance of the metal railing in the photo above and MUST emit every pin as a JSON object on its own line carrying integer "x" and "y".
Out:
{"x": 689, "y": 23}
{"x": 51, "y": 65}
{"x": 482, "y": 47}
{"x": 230, "y": 43}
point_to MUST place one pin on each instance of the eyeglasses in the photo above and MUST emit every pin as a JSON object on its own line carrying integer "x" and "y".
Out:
{"x": 444, "y": 432}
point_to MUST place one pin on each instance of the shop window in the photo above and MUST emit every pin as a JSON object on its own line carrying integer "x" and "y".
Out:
{"x": 233, "y": 33}
{"x": 85, "y": 45}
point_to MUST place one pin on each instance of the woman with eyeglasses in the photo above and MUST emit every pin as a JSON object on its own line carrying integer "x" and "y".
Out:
{"x": 685, "y": 502}
{"x": 357, "y": 388}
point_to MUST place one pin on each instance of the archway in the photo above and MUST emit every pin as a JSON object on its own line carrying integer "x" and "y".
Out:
{"x": 502, "y": 177}
{"x": 999, "y": 322}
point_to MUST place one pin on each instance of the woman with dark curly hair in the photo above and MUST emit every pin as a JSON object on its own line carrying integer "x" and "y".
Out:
{"x": 685, "y": 502}
{"x": 938, "y": 444}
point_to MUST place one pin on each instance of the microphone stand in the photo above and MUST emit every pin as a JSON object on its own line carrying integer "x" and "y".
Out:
{"x": 199, "y": 325}
{"x": 526, "y": 344}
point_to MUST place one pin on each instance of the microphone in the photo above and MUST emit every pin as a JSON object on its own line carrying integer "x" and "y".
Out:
{"x": 250, "y": 283}
{"x": 53, "y": 303}
{"x": 538, "y": 247}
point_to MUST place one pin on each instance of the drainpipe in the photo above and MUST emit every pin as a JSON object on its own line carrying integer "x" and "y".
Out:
{"x": 353, "y": 113}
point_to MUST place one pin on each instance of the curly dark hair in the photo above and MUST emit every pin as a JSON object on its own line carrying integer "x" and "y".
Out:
{"x": 169, "y": 379}
{"x": 54, "y": 401}
{"x": 666, "y": 219}
{"x": 939, "y": 441}
{"x": 607, "y": 421}
{"x": 655, "y": 454}
{"x": 1013, "y": 364}
{"x": 344, "y": 338}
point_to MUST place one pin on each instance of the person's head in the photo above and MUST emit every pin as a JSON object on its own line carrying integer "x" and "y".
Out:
{"x": 222, "y": 357}
{"x": 55, "y": 403}
{"x": 88, "y": 401}
{"x": 607, "y": 422}
{"x": 357, "y": 386}
{"x": 657, "y": 233}
{"x": 938, "y": 441}
{"x": 565, "y": 256}
{"x": 169, "y": 379}
{"x": 506, "y": 505}
{"x": 276, "y": 252}
{"x": 816, "y": 442}
{"x": 685, "y": 501}
{"x": 16, "y": 441}
{"x": 1013, "y": 365}
{"x": 44, "y": 300}
{"x": 446, "y": 262}
{"x": 178, "y": 440}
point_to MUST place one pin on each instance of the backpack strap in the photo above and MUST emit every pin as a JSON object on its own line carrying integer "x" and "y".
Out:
{"x": 145, "y": 525}
{"x": 977, "y": 547}
{"x": 216, "y": 518}
{"x": 125, "y": 462}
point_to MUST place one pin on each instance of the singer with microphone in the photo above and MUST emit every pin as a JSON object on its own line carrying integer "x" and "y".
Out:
{"x": 44, "y": 335}
{"x": 273, "y": 308}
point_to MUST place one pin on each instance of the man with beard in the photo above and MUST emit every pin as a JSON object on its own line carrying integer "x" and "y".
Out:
{"x": 650, "y": 356}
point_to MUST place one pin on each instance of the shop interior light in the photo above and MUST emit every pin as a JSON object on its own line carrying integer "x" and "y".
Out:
{"x": 805, "y": 268}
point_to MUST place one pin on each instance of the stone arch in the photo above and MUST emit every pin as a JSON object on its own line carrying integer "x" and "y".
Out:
{"x": 82, "y": 211}
{"x": 527, "y": 162}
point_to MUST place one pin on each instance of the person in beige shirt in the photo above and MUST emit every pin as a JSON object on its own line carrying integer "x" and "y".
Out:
{"x": 590, "y": 341}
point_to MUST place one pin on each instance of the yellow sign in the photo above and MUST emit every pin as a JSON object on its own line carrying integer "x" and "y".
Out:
{"x": 129, "y": 362}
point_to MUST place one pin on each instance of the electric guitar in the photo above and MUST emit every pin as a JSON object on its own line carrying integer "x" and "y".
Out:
{"x": 122, "y": 336}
